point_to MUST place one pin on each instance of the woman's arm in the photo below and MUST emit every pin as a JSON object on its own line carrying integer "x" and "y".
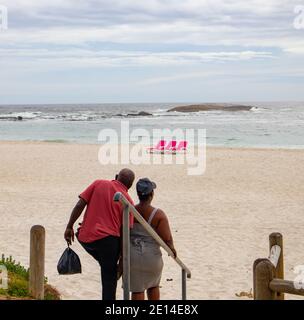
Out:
{"x": 164, "y": 231}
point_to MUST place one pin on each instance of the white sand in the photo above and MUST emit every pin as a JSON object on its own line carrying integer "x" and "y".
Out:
{"x": 220, "y": 225}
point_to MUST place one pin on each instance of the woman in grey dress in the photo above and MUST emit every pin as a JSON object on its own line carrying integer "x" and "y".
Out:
{"x": 146, "y": 256}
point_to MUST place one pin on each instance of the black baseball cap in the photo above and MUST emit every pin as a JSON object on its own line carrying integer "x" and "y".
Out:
{"x": 145, "y": 186}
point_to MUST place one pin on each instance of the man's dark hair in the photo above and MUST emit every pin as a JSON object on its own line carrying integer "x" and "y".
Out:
{"x": 126, "y": 177}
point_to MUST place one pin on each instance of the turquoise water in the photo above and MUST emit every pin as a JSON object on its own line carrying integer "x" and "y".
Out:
{"x": 276, "y": 124}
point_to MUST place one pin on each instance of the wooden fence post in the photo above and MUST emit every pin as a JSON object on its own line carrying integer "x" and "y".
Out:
{"x": 256, "y": 262}
{"x": 277, "y": 239}
{"x": 37, "y": 256}
{"x": 263, "y": 276}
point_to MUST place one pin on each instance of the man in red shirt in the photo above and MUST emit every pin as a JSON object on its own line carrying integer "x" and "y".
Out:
{"x": 99, "y": 233}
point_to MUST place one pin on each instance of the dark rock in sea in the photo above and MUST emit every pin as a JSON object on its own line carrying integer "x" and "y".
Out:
{"x": 144, "y": 113}
{"x": 139, "y": 114}
{"x": 10, "y": 118}
{"x": 210, "y": 107}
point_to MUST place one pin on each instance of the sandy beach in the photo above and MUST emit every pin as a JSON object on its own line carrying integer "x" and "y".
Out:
{"x": 220, "y": 220}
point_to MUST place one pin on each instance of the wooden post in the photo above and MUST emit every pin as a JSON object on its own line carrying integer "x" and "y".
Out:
{"x": 256, "y": 262}
{"x": 37, "y": 256}
{"x": 263, "y": 277}
{"x": 277, "y": 239}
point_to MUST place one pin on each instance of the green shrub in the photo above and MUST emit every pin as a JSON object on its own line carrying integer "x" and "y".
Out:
{"x": 14, "y": 267}
{"x": 18, "y": 281}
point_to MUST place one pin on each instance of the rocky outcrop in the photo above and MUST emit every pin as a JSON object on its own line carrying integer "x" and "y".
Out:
{"x": 139, "y": 114}
{"x": 210, "y": 107}
{"x": 19, "y": 118}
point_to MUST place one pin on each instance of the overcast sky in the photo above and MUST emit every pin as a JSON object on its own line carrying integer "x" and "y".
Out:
{"x": 81, "y": 51}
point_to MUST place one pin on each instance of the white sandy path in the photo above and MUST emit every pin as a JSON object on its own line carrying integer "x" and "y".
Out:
{"x": 221, "y": 224}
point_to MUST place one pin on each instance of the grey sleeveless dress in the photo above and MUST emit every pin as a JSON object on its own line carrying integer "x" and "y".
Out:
{"x": 146, "y": 259}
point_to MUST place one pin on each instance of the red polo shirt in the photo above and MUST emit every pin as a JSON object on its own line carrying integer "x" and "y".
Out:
{"x": 103, "y": 216}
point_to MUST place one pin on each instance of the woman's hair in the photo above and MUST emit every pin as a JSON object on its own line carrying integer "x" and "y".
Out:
{"x": 144, "y": 197}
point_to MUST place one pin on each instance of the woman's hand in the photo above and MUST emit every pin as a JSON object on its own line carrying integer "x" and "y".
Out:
{"x": 173, "y": 250}
{"x": 171, "y": 246}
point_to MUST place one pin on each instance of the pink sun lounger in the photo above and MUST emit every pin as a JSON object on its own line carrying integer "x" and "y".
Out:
{"x": 158, "y": 148}
{"x": 170, "y": 147}
{"x": 181, "y": 147}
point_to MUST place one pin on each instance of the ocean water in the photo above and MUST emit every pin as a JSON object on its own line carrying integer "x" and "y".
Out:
{"x": 269, "y": 124}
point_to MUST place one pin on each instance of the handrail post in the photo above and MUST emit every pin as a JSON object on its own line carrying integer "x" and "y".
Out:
{"x": 126, "y": 253}
{"x": 277, "y": 239}
{"x": 37, "y": 256}
{"x": 184, "y": 285}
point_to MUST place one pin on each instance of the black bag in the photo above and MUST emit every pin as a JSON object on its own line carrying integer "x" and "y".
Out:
{"x": 69, "y": 263}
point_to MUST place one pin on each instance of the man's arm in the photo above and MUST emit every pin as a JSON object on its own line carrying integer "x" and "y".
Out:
{"x": 69, "y": 232}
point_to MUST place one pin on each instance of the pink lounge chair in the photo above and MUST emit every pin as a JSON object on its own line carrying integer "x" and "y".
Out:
{"x": 182, "y": 146}
{"x": 171, "y": 147}
{"x": 158, "y": 148}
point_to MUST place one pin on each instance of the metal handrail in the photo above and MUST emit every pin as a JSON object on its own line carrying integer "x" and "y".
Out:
{"x": 127, "y": 208}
